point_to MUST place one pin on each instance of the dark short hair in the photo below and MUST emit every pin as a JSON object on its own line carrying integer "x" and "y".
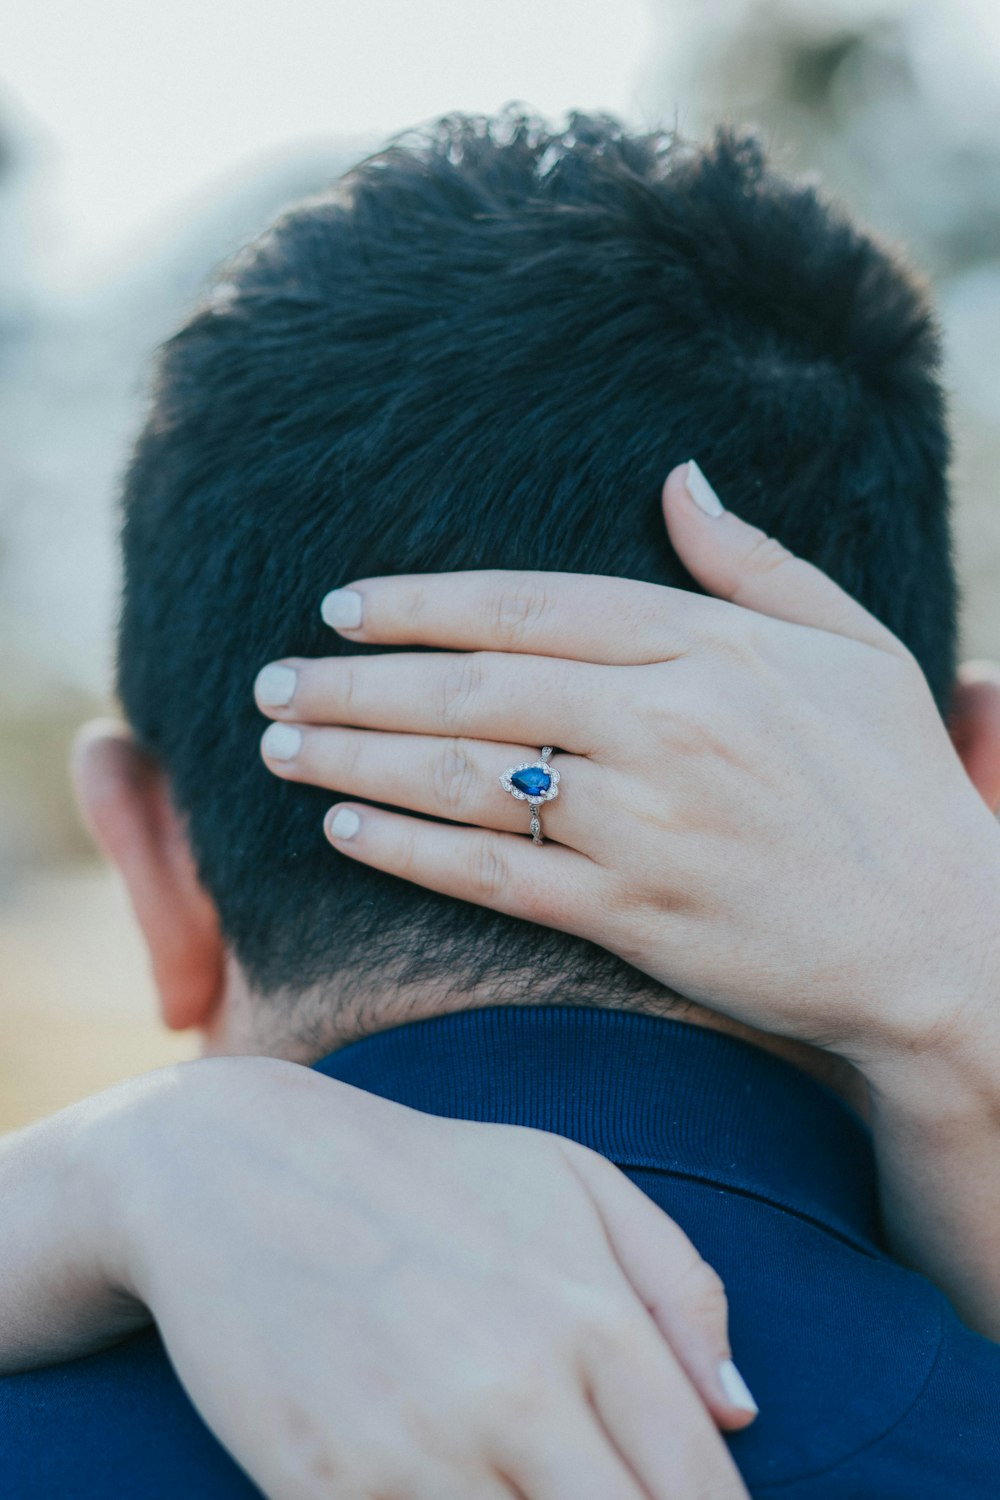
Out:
{"x": 485, "y": 348}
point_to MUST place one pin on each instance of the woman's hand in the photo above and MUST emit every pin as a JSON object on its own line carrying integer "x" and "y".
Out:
{"x": 759, "y": 805}
{"x": 365, "y": 1300}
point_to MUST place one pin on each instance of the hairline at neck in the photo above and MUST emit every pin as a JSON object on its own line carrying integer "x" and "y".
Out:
{"x": 306, "y": 1026}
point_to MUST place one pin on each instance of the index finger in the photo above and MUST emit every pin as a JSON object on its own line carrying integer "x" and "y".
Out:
{"x": 578, "y": 616}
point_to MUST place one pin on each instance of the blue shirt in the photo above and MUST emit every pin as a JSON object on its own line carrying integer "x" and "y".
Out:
{"x": 870, "y": 1387}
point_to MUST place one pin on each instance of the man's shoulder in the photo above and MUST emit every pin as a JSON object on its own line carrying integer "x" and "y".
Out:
{"x": 869, "y": 1384}
{"x": 114, "y": 1423}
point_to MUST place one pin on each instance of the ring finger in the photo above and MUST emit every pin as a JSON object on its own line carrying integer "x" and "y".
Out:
{"x": 457, "y": 779}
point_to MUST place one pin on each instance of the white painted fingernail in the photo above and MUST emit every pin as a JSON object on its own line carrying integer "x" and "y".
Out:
{"x": 701, "y": 491}
{"x": 736, "y": 1389}
{"x": 344, "y": 824}
{"x": 341, "y": 609}
{"x": 275, "y": 685}
{"x": 282, "y": 742}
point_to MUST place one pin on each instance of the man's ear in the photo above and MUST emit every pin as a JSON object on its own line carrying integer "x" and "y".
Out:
{"x": 975, "y": 727}
{"x": 125, "y": 802}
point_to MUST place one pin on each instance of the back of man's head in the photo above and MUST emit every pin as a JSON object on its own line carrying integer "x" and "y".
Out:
{"x": 486, "y": 348}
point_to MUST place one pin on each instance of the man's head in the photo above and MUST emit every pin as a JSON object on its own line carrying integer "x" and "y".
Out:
{"x": 486, "y": 348}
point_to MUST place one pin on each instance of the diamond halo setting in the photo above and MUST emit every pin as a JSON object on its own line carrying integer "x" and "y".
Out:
{"x": 534, "y": 782}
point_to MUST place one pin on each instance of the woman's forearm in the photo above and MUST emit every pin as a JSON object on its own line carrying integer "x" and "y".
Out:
{"x": 256, "y": 1206}
{"x": 936, "y": 1122}
{"x": 59, "y": 1241}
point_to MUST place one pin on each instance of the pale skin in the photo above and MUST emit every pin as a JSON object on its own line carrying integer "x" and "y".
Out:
{"x": 368, "y": 1302}
{"x": 902, "y": 993}
{"x": 789, "y": 746}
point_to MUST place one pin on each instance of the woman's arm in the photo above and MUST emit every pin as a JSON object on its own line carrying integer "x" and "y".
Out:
{"x": 62, "y": 1291}
{"x": 760, "y": 806}
{"x": 340, "y": 1280}
{"x": 936, "y": 1124}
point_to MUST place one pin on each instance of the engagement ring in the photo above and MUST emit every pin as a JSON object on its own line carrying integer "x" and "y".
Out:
{"x": 534, "y": 782}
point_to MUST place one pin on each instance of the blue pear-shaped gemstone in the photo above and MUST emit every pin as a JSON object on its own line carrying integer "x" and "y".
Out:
{"x": 533, "y": 781}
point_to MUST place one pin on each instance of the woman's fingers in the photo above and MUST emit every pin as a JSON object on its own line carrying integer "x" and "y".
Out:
{"x": 686, "y": 1457}
{"x": 527, "y": 700}
{"x": 554, "y": 886}
{"x": 742, "y": 565}
{"x": 457, "y": 779}
{"x": 611, "y": 621}
{"x": 575, "y": 1460}
{"x": 577, "y": 616}
{"x": 682, "y": 1293}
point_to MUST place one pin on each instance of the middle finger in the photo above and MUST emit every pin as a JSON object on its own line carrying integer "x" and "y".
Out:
{"x": 534, "y": 700}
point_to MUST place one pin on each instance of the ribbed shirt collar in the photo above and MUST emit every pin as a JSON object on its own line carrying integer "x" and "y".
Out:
{"x": 645, "y": 1092}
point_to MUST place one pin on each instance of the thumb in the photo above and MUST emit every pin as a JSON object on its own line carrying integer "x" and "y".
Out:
{"x": 745, "y": 566}
{"x": 681, "y": 1292}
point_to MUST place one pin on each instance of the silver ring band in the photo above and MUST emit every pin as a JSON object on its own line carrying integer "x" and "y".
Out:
{"x": 534, "y": 782}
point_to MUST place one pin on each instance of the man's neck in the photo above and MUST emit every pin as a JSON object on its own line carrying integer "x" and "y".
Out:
{"x": 304, "y": 1028}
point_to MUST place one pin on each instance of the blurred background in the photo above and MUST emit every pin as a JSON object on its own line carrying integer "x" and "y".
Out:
{"x": 141, "y": 143}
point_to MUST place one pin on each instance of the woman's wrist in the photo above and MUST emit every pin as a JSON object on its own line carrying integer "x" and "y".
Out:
{"x": 946, "y": 1067}
{"x": 930, "y": 1030}
{"x": 934, "y": 1077}
{"x": 136, "y": 1154}
{"x": 935, "y": 1118}
{"x": 113, "y": 1169}
{"x": 950, "y": 1084}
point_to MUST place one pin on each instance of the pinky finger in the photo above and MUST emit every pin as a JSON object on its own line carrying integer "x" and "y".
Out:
{"x": 554, "y": 886}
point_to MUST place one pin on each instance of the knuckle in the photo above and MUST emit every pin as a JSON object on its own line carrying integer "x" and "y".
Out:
{"x": 454, "y": 777}
{"x": 514, "y": 1408}
{"x": 516, "y": 1402}
{"x": 460, "y": 687}
{"x": 550, "y": 908}
{"x": 607, "y": 1331}
{"x": 348, "y": 688}
{"x": 766, "y": 554}
{"x": 410, "y": 604}
{"x": 658, "y": 718}
{"x": 488, "y": 872}
{"x": 303, "y": 1462}
{"x": 514, "y": 610}
{"x": 680, "y": 723}
{"x": 703, "y": 1292}
{"x": 405, "y": 863}
{"x": 743, "y": 646}
{"x": 740, "y": 640}
{"x": 378, "y": 1466}
{"x": 350, "y": 757}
